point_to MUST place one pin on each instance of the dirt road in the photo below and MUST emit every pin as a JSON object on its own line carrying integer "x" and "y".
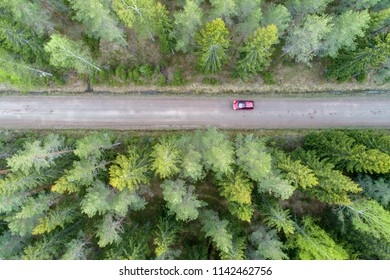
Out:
{"x": 190, "y": 112}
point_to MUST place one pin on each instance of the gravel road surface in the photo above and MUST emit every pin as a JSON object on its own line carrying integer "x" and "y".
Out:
{"x": 153, "y": 112}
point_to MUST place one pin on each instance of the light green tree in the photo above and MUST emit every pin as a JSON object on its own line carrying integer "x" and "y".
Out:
{"x": 313, "y": 243}
{"x": 186, "y": 23}
{"x": 109, "y": 230}
{"x": 30, "y": 14}
{"x": 255, "y": 55}
{"x": 95, "y": 15}
{"x": 304, "y": 7}
{"x": 224, "y": 9}
{"x": 345, "y": 29}
{"x": 265, "y": 245}
{"x": 166, "y": 158}
{"x": 216, "y": 229}
{"x": 68, "y": 54}
{"x": 212, "y": 42}
{"x": 130, "y": 171}
{"x": 305, "y": 40}
{"x": 252, "y": 156}
{"x": 278, "y": 15}
{"x": 249, "y": 15}
{"x": 139, "y": 15}
{"x": 276, "y": 217}
{"x": 181, "y": 200}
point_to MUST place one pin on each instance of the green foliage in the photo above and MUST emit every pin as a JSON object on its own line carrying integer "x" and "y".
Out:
{"x": 341, "y": 150}
{"x": 299, "y": 174}
{"x": 371, "y": 139}
{"x": 237, "y": 188}
{"x": 212, "y": 41}
{"x": 277, "y": 15}
{"x": 333, "y": 187}
{"x": 19, "y": 41}
{"x": 255, "y": 55}
{"x": 76, "y": 249}
{"x": 181, "y": 199}
{"x": 186, "y": 24}
{"x": 58, "y": 217}
{"x": 237, "y": 252}
{"x": 37, "y": 155}
{"x": 43, "y": 249}
{"x": 369, "y": 217}
{"x": 242, "y": 211}
{"x": 345, "y": 29}
{"x": 358, "y": 4}
{"x": 95, "y": 15}
{"x": 380, "y": 21}
{"x": 313, "y": 243}
{"x": 166, "y": 158}
{"x": 131, "y": 171}
{"x": 224, "y": 9}
{"x": 249, "y": 15}
{"x": 379, "y": 190}
{"x": 138, "y": 15}
{"x": 265, "y": 245}
{"x": 17, "y": 73}
{"x": 276, "y": 186}
{"x": 370, "y": 57}
{"x": 90, "y": 147}
{"x": 166, "y": 235}
{"x": 108, "y": 231}
{"x": 217, "y": 151}
{"x": 69, "y": 54}
{"x": 30, "y": 14}
{"x": 215, "y": 228}
{"x": 304, "y": 40}
{"x": 11, "y": 245}
{"x": 275, "y": 216}
{"x": 178, "y": 78}
{"x": 16, "y": 183}
{"x": 303, "y": 7}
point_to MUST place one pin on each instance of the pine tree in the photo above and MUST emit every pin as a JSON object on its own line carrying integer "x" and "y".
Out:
{"x": 186, "y": 24}
{"x": 30, "y": 14}
{"x": 166, "y": 158}
{"x": 345, "y": 29}
{"x": 265, "y": 245}
{"x": 224, "y": 9}
{"x": 369, "y": 217}
{"x": 255, "y": 55}
{"x": 130, "y": 171}
{"x": 181, "y": 200}
{"x": 249, "y": 15}
{"x": 237, "y": 252}
{"x": 276, "y": 186}
{"x": 275, "y": 216}
{"x": 138, "y": 15}
{"x": 378, "y": 189}
{"x": 216, "y": 229}
{"x": 212, "y": 41}
{"x": 341, "y": 150}
{"x": 252, "y": 157}
{"x": 278, "y": 15}
{"x": 95, "y": 15}
{"x": 305, "y": 40}
{"x": 333, "y": 187}
{"x": 299, "y": 174}
{"x": 38, "y": 155}
{"x": 166, "y": 235}
{"x": 109, "y": 230}
{"x": 303, "y": 7}
{"x": 313, "y": 243}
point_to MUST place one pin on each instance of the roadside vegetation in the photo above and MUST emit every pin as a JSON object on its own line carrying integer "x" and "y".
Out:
{"x": 48, "y": 43}
{"x": 204, "y": 194}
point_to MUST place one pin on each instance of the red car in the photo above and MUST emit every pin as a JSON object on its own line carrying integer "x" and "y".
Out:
{"x": 243, "y": 105}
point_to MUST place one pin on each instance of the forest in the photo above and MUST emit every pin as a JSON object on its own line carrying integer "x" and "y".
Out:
{"x": 160, "y": 42}
{"x": 195, "y": 195}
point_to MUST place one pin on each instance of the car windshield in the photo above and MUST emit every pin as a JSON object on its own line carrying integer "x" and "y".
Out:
{"x": 241, "y": 104}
